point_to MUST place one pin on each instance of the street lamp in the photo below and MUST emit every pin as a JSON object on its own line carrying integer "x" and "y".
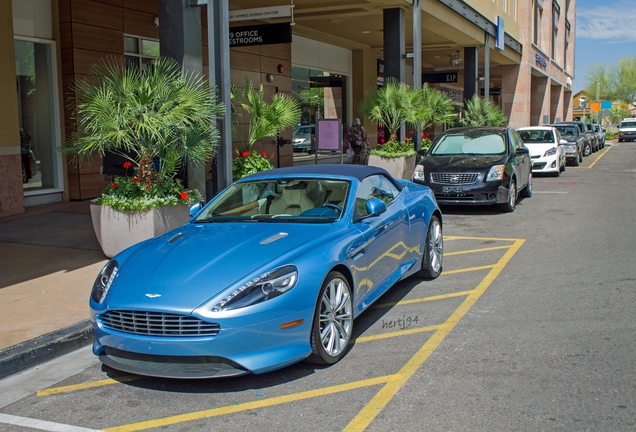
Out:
{"x": 582, "y": 101}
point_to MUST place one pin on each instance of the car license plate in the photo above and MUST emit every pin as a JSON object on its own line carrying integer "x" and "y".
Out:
{"x": 452, "y": 189}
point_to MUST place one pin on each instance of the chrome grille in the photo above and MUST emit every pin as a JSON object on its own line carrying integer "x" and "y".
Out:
{"x": 157, "y": 324}
{"x": 454, "y": 178}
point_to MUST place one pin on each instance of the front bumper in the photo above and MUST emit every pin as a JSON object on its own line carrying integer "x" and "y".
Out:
{"x": 545, "y": 164}
{"x": 479, "y": 194}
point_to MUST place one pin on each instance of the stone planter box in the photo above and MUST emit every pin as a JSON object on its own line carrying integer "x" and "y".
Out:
{"x": 116, "y": 230}
{"x": 401, "y": 167}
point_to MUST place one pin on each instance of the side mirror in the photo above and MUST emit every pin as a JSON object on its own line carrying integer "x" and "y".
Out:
{"x": 422, "y": 152}
{"x": 523, "y": 150}
{"x": 562, "y": 141}
{"x": 375, "y": 206}
{"x": 194, "y": 209}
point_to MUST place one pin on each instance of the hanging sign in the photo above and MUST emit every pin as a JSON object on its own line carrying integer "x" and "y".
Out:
{"x": 266, "y": 34}
{"x": 260, "y": 13}
{"x": 439, "y": 77}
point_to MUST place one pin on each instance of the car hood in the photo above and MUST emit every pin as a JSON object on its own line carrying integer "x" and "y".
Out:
{"x": 461, "y": 163}
{"x": 184, "y": 268}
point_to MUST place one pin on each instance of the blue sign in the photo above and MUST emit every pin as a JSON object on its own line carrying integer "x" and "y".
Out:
{"x": 499, "y": 41}
{"x": 543, "y": 62}
{"x": 606, "y": 105}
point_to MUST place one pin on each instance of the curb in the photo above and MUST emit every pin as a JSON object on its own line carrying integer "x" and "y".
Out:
{"x": 36, "y": 351}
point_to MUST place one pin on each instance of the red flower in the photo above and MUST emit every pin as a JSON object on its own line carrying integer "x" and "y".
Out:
{"x": 147, "y": 187}
{"x": 127, "y": 165}
{"x": 382, "y": 140}
{"x": 113, "y": 186}
{"x": 246, "y": 154}
{"x": 136, "y": 180}
{"x": 184, "y": 196}
{"x": 272, "y": 154}
{"x": 411, "y": 132}
{"x": 406, "y": 138}
{"x": 265, "y": 154}
{"x": 424, "y": 135}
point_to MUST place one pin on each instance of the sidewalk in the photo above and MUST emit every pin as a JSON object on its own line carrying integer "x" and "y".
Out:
{"x": 50, "y": 258}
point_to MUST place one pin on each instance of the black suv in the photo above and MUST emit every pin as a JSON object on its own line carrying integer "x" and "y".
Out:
{"x": 576, "y": 142}
{"x": 590, "y": 141}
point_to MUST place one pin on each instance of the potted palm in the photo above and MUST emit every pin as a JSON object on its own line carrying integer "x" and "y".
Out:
{"x": 264, "y": 120}
{"x": 397, "y": 103}
{"x": 157, "y": 119}
{"x": 482, "y": 112}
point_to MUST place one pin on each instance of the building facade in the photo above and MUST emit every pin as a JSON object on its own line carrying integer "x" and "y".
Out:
{"x": 519, "y": 53}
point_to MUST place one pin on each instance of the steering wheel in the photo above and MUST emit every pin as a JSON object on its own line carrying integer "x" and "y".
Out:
{"x": 334, "y": 207}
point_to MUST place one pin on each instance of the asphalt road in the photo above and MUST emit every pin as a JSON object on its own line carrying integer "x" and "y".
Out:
{"x": 530, "y": 327}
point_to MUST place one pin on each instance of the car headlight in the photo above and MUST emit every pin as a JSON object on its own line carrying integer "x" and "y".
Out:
{"x": 496, "y": 173}
{"x": 418, "y": 174}
{"x": 550, "y": 152}
{"x": 104, "y": 281}
{"x": 265, "y": 287}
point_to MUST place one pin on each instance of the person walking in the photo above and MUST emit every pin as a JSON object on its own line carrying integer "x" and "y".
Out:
{"x": 357, "y": 137}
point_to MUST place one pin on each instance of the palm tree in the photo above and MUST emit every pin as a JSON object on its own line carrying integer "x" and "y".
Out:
{"x": 266, "y": 119}
{"x": 396, "y": 103}
{"x": 157, "y": 118}
{"x": 482, "y": 112}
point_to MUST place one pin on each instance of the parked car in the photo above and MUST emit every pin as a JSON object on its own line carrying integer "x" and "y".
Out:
{"x": 589, "y": 139}
{"x": 575, "y": 142}
{"x": 271, "y": 272}
{"x": 596, "y": 143}
{"x": 477, "y": 166}
{"x": 304, "y": 139}
{"x": 627, "y": 130}
{"x": 547, "y": 149}
{"x": 600, "y": 134}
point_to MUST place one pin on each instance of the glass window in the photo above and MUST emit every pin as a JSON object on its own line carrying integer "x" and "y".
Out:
{"x": 37, "y": 115}
{"x": 140, "y": 52}
{"x": 376, "y": 186}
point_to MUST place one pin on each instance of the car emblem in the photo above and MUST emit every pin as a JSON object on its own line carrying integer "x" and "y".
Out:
{"x": 454, "y": 179}
{"x": 153, "y": 295}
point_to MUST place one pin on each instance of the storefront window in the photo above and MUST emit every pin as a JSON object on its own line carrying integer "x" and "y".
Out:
{"x": 321, "y": 95}
{"x": 38, "y": 127}
{"x": 139, "y": 51}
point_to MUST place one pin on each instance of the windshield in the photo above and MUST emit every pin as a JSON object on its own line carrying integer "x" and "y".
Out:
{"x": 469, "y": 142}
{"x": 284, "y": 199}
{"x": 628, "y": 124}
{"x": 567, "y": 131}
{"x": 537, "y": 136}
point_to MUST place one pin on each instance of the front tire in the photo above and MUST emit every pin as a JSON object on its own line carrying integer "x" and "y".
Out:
{"x": 511, "y": 202}
{"x": 433, "y": 256}
{"x": 526, "y": 192}
{"x": 333, "y": 321}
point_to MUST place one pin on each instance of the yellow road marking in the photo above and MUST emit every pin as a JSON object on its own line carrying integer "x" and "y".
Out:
{"x": 395, "y": 334}
{"x": 253, "y": 405}
{"x": 364, "y": 418}
{"x": 92, "y": 384}
{"x": 476, "y": 250}
{"x": 468, "y": 269}
{"x": 599, "y": 157}
{"x": 423, "y": 299}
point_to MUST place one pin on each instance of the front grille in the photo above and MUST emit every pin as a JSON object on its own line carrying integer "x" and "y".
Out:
{"x": 156, "y": 324}
{"x": 454, "y": 178}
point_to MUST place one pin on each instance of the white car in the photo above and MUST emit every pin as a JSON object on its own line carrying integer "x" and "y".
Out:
{"x": 547, "y": 149}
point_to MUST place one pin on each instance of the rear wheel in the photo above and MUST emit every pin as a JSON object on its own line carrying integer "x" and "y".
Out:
{"x": 333, "y": 321}
{"x": 433, "y": 256}
{"x": 587, "y": 150}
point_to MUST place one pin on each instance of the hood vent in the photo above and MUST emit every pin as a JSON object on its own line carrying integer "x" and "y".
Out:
{"x": 274, "y": 238}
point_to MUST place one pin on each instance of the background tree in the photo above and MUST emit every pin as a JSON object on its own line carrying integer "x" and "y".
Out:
{"x": 617, "y": 82}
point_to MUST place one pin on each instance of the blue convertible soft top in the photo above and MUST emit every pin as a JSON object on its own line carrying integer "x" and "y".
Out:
{"x": 359, "y": 172}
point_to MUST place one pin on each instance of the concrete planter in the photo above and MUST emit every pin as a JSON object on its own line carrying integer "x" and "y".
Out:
{"x": 401, "y": 167}
{"x": 116, "y": 230}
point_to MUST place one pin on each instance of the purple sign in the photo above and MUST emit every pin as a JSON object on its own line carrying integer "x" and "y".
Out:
{"x": 328, "y": 135}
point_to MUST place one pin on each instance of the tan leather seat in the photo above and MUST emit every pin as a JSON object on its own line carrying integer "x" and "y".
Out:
{"x": 292, "y": 200}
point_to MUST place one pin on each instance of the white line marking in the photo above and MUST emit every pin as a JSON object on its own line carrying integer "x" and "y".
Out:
{"x": 41, "y": 424}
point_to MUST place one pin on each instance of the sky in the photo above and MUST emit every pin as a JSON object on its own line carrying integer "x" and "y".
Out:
{"x": 605, "y": 32}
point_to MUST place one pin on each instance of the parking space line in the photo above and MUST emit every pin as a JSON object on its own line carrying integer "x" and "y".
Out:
{"x": 469, "y": 251}
{"x": 230, "y": 409}
{"x": 468, "y": 269}
{"x": 362, "y": 420}
{"x": 40, "y": 424}
{"x": 599, "y": 157}
{"x": 87, "y": 385}
{"x": 422, "y": 299}
{"x": 395, "y": 334}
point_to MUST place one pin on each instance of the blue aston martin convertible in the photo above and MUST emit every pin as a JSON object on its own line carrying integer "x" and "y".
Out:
{"x": 272, "y": 271}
